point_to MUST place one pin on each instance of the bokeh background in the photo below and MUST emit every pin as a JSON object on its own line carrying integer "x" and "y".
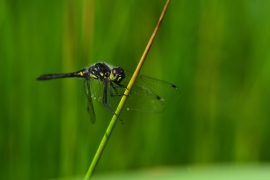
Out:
{"x": 216, "y": 51}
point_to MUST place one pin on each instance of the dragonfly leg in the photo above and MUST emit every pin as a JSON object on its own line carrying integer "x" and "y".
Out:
{"x": 105, "y": 102}
{"x": 116, "y": 91}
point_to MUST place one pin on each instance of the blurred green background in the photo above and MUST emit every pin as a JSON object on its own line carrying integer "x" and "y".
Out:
{"x": 216, "y": 51}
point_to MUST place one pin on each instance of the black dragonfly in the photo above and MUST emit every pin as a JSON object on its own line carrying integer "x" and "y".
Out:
{"x": 106, "y": 84}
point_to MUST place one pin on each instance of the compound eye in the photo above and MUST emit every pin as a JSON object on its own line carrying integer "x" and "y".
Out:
{"x": 117, "y": 74}
{"x": 116, "y": 71}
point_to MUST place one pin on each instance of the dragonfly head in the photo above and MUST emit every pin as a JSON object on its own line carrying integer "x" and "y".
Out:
{"x": 117, "y": 74}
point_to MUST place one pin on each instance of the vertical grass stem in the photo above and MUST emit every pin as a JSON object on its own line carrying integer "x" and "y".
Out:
{"x": 122, "y": 102}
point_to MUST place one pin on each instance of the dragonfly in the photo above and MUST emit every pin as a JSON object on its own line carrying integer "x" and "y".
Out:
{"x": 106, "y": 84}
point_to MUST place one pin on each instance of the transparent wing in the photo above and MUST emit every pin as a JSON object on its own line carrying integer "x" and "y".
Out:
{"x": 90, "y": 107}
{"x": 149, "y": 94}
{"x": 143, "y": 100}
{"x": 104, "y": 93}
{"x": 110, "y": 96}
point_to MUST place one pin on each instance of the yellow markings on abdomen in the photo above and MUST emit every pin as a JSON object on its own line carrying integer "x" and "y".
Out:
{"x": 80, "y": 73}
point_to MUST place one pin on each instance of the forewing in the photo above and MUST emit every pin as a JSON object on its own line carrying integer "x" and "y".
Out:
{"x": 166, "y": 91}
{"x": 149, "y": 94}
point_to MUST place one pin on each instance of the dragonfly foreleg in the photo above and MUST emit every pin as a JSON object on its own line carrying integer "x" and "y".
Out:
{"x": 105, "y": 101}
{"x": 115, "y": 87}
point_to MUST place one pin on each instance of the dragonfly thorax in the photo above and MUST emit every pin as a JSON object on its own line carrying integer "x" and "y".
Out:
{"x": 99, "y": 71}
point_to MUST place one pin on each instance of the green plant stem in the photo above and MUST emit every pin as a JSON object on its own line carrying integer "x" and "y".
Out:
{"x": 123, "y": 100}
